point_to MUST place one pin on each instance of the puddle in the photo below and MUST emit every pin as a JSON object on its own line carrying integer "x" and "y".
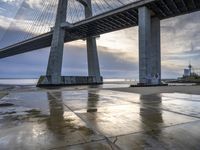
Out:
{"x": 46, "y": 120}
{"x": 2, "y": 94}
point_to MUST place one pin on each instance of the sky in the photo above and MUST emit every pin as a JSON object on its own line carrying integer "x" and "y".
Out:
{"x": 118, "y": 51}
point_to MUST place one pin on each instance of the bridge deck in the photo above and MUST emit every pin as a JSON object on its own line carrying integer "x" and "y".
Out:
{"x": 120, "y": 18}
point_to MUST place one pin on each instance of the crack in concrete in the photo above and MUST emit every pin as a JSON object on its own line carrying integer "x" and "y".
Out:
{"x": 113, "y": 146}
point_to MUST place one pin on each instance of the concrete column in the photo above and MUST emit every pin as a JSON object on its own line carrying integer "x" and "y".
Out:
{"x": 155, "y": 50}
{"x": 92, "y": 54}
{"x": 149, "y": 48}
{"x": 144, "y": 43}
{"x": 56, "y": 53}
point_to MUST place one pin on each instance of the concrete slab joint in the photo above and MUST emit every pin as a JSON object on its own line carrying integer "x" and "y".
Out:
{"x": 149, "y": 48}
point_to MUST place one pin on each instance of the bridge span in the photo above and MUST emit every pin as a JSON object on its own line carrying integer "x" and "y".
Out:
{"x": 144, "y": 13}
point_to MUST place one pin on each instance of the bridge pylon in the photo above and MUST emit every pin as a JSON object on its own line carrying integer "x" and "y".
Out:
{"x": 149, "y": 48}
{"x": 53, "y": 75}
{"x": 92, "y": 54}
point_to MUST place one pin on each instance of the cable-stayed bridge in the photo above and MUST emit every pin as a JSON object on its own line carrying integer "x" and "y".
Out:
{"x": 33, "y": 22}
{"x": 56, "y": 22}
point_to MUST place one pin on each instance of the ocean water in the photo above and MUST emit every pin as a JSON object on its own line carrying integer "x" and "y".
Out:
{"x": 34, "y": 81}
{"x": 107, "y": 82}
{"x": 18, "y": 81}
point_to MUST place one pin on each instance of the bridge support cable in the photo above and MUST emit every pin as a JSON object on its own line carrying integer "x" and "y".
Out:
{"x": 13, "y": 29}
{"x": 41, "y": 23}
{"x": 28, "y": 23}
{"x": 149, "y": 48}
{"x": 75, "y": 11}
{"x": 37, "y": 22}
{"x": 10, "y": 24}
{"x": 70, "y": 12}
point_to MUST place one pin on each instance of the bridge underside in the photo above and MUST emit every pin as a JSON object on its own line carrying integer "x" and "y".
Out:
{"x": 120, "y": 18}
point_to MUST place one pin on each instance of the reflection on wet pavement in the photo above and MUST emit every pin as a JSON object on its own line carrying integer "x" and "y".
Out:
{"x": 99, "y": 119}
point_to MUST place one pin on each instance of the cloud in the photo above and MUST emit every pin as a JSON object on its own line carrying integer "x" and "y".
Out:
{"x": 118, "y": 51}
{"x": 178, "y": 33}
{"x": 111, "y": 64}
{"x": 26, "y": 65}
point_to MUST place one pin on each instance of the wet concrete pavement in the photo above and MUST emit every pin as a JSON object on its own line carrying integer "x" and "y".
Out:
{"x": 99, "y": 119}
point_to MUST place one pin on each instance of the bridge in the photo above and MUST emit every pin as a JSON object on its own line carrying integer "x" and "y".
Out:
{"x": 146, "y": 14}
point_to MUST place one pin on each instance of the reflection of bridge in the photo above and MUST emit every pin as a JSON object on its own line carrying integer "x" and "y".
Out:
{"x": 144, "y": 13}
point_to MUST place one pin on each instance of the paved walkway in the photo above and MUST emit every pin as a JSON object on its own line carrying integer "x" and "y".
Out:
{"x": 99, "y": 119}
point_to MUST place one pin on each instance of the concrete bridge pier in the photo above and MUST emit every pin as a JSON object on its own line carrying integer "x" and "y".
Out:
{"x": 92, "y": 54}
{"x": 53, "y": 74}
{"x": 93, "y": 61}
{"x": 54, "y": 68}
{"x": 149, "y": 48}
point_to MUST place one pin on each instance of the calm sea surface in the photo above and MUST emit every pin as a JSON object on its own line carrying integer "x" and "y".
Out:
{"x": 107, "y": 82}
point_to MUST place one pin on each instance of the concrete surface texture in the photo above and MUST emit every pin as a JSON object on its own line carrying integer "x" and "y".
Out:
{"x": 149, "y": 47}
{"x": 98, "y": 119}
{"x": 70, "y": 80}
{"x": 54, "y": 67}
